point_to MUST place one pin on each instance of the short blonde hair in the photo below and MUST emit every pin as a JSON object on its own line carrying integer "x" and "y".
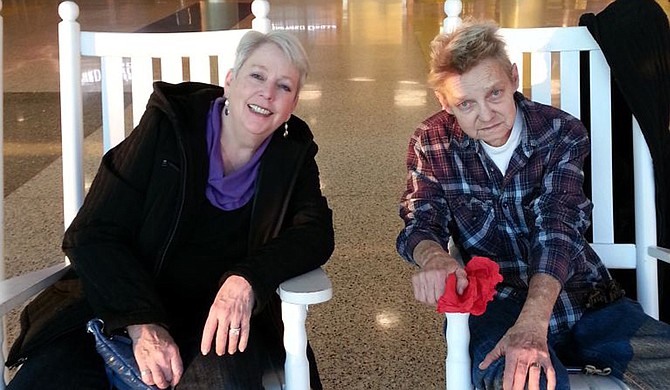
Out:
{"x": 465, "y": 48}
{"x": 287, "y": 43}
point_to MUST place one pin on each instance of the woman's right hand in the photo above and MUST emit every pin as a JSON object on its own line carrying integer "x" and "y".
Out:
{"x": 157, "y": 355}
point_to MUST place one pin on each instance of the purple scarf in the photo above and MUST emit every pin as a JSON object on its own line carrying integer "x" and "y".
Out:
{"x": 235, "y": 190}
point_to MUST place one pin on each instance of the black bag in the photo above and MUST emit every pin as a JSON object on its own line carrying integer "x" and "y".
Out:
{"x": 117, "y": 352}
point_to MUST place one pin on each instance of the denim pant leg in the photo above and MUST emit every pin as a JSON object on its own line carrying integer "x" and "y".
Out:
{"x": 68, "y": 363}
{"x": 485, "y": 332}
{"x": 635, "y": 346}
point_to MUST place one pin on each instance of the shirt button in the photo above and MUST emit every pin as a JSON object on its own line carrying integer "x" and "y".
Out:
{"x": 504, "y": 204}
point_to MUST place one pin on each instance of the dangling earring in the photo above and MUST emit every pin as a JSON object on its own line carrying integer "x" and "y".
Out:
{"x": 226, "y": 104}
{"x": 285, "y": 129}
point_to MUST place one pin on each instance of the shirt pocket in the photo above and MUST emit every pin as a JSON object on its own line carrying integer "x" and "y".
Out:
{"x": 474, "y": 218}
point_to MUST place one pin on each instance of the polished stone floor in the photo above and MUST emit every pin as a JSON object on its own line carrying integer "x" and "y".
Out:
{"x": 366, "y": 93}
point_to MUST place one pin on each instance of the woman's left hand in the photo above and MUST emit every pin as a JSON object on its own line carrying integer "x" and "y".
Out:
{"x": 229, "y": 317}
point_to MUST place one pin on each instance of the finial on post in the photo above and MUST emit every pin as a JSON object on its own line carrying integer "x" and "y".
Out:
{"x": 68, "y": 11}
{"x": 453, "y": 9}
{"x": 261, "y": 22}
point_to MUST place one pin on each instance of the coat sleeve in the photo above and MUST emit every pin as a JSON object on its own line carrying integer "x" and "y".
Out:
{"x": 305, "y": 241}
{"x": 101, "y": 242}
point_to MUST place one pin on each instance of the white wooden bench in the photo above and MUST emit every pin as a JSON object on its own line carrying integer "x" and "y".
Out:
{"x": 140, "y": 52}
{"x": 556, "y": 51}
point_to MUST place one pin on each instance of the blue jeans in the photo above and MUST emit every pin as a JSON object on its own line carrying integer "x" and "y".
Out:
{"x": 619, "y": 336}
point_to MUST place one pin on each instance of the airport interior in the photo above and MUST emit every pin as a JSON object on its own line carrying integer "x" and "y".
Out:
{"x": 364, "y": 97}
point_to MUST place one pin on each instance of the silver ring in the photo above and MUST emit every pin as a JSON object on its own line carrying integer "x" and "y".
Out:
{"x": 145, "y": 372}
{"x": 534, "y": 365}
{"x": 234, "y": 331}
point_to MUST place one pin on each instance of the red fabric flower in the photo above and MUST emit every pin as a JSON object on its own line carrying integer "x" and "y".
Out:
{"x": 483, "y": 276}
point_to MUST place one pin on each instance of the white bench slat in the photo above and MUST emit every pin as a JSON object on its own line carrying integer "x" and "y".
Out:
{"x": 660, "y": 253}
{"x": 570, "y": 96}
{"x": 142, "y": 75}
{"x": 199, "y": 69}
{"x": 540, "y": 77}
{"x": 113, "y": 118}
{"x": 19, "y": 289}
{"x": 171, "y": 69}
{"x": 601, "y": 148}
{"x": 545, "y": 39}
{"x": 595, "y": 382}
{"x": 225, "y": 64}
{"x": 620, "y": 256}
{"x": 102, "y": 44}
{"x": 516, "y": 57}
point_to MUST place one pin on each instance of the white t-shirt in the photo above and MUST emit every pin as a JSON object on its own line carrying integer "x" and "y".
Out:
{"x": 501, "y": 155}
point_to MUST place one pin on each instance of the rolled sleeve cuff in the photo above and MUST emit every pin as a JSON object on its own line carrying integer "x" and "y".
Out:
{"x": 406, "y": 243}
{"x": 559, "y": 269}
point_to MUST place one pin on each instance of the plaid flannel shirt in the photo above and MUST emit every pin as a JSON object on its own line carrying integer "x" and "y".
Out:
{"x": 532, "y": 220}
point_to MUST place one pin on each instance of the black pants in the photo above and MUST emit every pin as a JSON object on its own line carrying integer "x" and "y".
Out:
{"x": 71, "y": 362}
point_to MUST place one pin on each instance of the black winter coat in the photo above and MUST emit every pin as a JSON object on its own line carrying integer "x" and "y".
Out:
{"x": 635, "y": 38}
{"x": 143, "y": 191}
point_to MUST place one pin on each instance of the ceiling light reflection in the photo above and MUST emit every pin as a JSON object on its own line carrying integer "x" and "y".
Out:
{"x": 310, "y": 95}
{"x": 364, "y": 79}
{"x": 387, "y": 319}
{"x": 310, "y": 91}
{"x": 410, "y": 94}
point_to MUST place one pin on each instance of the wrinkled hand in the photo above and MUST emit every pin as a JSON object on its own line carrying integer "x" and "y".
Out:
{"x": 429, "y": 282}
{"x": 526, "y": 355}
{"x": 229, "y": 317}
{"x": 156, "y": 354}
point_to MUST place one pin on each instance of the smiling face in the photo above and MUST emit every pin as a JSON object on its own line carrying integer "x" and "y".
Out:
{"x": 264, "y": 92}
{"x": 482, "y": 100}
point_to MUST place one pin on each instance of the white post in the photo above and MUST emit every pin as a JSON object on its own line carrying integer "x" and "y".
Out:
{"x": 2, "y": 148}
{"x": 296, "y": 367}
{"x": 2, "y": 198}
{"x": 458, "y": 365}
{"x": 261, "y": 22}
{"x": 645, "y": 222}
{"x": 72, "y": 127}
{"x": 453, "y": 10}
